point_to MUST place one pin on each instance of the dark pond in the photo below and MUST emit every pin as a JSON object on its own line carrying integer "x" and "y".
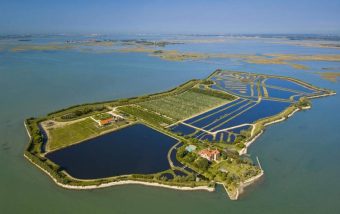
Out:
{"x": 174, "y": 159}
{"x": 265, "y": 108}
{"x": 232, "y": 138}
{"x": 215, "y": 116}
{"x": 136, "y": 149}
{"x": 214, "y": 111}
{"x": 233, "y": 87}
{"x": 207, "y": 137}
{"x": 236, "y": 113}
{"x": 189, "y": 170}
{"x": 221, "y": 136}
{"x": 288, "y": 84}
{"x": 168, "y": 175}
{"x": 277, "y": 93}
{"x": 44, "y": 138}
{"x": 182, "y": 129}
{"x": 239, "y": 129}
{"x": 180, "y": 173}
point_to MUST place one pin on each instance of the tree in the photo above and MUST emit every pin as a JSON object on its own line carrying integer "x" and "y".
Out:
{"x": 240, "y": 145}
{"x": 202, "y": 164}
{"x": 190, "y": 157}
{"x": 182, "y": 153}
{"x": 303, "y": 102}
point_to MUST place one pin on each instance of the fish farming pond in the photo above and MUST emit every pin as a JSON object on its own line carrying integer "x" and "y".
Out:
{"x": 136, "y": 149}
{"x": 259, "y": 96}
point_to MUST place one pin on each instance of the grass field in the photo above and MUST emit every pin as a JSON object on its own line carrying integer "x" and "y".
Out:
{"x": 102, "y": 116}
{"x": 183, "y": 105}
{"x": 75, "y": 132}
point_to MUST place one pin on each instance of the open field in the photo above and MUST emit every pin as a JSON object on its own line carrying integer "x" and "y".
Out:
{"x": 183, "y": 105}
{"x": 70, "y": 134}
{"x": 102, "y": 116}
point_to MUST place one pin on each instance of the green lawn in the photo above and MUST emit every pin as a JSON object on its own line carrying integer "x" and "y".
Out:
{"x": 75, "y": 132}
{"x": 183, "y": 105}
{"x": 102, "y": 116}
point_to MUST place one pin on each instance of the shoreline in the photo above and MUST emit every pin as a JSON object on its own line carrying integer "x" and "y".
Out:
{"x": 258, "y": 128}
{"x": 28, "y": 133}
{"x": 123, "y": 182}
{"x": 250, "y": 181}
{"x": 322, "y": 95}
{"x": 252, "y": 140}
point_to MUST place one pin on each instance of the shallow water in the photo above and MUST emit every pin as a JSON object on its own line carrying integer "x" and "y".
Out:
{"x": 299, "y": 156}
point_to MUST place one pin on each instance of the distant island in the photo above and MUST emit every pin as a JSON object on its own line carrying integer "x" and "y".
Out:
{"x": 166, "y": 50}
{"x": 192, "y": 137}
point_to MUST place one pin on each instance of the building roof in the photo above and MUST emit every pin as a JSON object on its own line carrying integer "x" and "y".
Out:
{"x": 106, "y": 121}
{"x": 190, "y": 148}
{"x": 208, "y": 152}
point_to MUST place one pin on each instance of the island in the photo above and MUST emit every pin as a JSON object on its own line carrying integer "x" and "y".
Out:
{"x": 192, "y": 137}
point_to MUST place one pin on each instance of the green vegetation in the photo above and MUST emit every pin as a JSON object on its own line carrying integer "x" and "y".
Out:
{"x": 184, "y": 105}
{"x": 72, "y": 133}
{"x": 303, "y": 103}
{"x": 146, "y": 115}
{"x": 213, "y": 93}
{"x": 231, "y": 169}
{"x": 102, "y": 116}
{"x": 207, "y": 82}
{"x": 36, "y": 139}
{"x": 81, "y": 112}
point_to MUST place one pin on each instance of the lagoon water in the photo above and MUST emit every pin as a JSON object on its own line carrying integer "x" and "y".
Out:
{"x": 300, "y": 157}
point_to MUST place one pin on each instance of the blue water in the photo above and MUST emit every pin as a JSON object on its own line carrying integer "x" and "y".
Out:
{"x": 136, "y": 149}
{"x": 251, "y": 46}
{"x": 232, "y": 114}
{"x": 182, "y": 129}
{"x": 216, "y": 116}
{"x": 174, "y": 159}
{"x": 232, "y": 138}
{"x": 207, "y": 137}
{"x": 299, "y": 156}
{"x": 281, "y": 94}
{"x": 167, "y": 175}
{"x": 180, "y": 173}
{"x": 239, "y": 129}
{"x": 191, "y": 120}
{"x": 265, "y": 108}
{"x": 288, "y": 84}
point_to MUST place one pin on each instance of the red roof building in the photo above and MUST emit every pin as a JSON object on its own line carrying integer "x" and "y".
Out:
{"x": 210, "y": 155}
{"x": 106, "y": 121}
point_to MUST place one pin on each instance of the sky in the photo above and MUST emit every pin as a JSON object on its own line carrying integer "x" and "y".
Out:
{"x": 170, "y": 16}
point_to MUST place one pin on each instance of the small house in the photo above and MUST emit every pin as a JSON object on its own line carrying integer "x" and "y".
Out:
{"x": 106, "y": 121}
{"x": 210, "y": 155}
